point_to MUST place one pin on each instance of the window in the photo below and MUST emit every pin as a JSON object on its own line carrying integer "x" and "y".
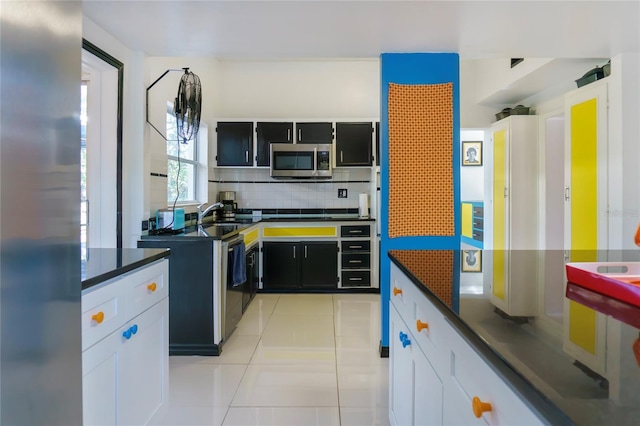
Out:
{"x": 182, "y": 164}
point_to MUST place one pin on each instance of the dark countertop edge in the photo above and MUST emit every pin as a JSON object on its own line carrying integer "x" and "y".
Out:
{"x": 534, "y": 399}
{"x": 317, "y": 219}
{"x": 93, "y": 281}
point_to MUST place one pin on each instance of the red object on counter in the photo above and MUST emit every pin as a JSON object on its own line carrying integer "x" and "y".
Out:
{"x": 637, "y": 237}
{"x": 617, "y": 280}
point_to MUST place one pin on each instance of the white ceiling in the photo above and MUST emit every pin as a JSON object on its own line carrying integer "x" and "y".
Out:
{"x": 364, "y": 29}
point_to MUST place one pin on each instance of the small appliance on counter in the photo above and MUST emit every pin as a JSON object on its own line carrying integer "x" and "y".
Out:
{"x": 165, "y": 218}
{"x": 229, "y": 205}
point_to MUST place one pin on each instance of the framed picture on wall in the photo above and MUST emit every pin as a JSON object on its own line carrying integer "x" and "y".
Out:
{"x": 472, "y": 153}
{"x": 471, "y": 261}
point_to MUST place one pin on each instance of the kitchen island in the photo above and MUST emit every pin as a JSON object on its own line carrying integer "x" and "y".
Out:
{"x": 522, "y": 367}
{"x": 124, "y": 321}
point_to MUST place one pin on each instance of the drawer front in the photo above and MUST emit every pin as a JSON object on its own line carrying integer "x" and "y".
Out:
{"x": 355, "y": 231}
{"x": 356, "y": 261}
{"x": 472, "y": 377}
{"x": 478, "y": 211}
{"x": 103, "y": 311}
{"x": 430, "y": 330}
{"x": 478, "y": 223}
{"x": 356, "y": 279}
{"x": 478, "y": 235}
{"x": 147, "y": 286}
{"x": 349, "y": 246}
{"x": 400, "y": 293}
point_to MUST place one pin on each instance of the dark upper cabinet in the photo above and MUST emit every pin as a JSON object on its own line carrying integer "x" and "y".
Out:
{"x": 268, "y": 133}
{"x": 314, "y": 132}
{"x": 235, "y": 143}
{"x": 377, "y": 143}
{"x": 354, "y": 144}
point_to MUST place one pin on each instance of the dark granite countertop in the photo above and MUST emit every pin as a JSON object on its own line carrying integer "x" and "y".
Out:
{"x": 530, "y": 354}
{"x": 223, "y": 230}
{"x": 102, "y": 264}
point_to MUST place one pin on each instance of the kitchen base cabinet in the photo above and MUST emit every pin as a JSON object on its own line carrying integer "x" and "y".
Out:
{"x": 125, "y": 375}
{"x": 434, "y": 374}
{"x": 415, "y": 390}
{"x": 310, "y": 265}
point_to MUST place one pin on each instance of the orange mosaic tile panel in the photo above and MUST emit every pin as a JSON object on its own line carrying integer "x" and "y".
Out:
{"x": 421, "y": 160}
{"x": 433, "y": 267}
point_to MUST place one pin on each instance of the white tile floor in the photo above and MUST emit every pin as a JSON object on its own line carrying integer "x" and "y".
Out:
{"x": 295, "y": 359}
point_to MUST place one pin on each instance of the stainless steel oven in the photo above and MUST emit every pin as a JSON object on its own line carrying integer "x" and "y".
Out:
{"x": 231, "y": 295}
{"x": 301, "y": 160}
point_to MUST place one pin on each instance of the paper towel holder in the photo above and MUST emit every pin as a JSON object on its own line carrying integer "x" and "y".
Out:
{"x": 363, "y": 205}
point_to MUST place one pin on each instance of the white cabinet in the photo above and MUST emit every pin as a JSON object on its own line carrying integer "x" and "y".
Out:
{"x": 125, "y": 372}
{"x": 415, "y": 390}
{"x": 435, "y": 375}
{"x": 586, "y": 213}
{"x": 514, "y": 213}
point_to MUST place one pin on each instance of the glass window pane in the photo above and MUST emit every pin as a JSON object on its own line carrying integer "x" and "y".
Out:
{"x": 187, "y": 150}
{"x": 182, "y": 188}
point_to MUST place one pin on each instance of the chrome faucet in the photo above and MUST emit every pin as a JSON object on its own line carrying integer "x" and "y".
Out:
{"x": 202, "y": 214}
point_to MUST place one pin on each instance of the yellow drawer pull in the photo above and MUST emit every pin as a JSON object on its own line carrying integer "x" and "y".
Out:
{"x": 421, "y": 325}
{"x": 99, "y": 317}
{"x": 152, "y": 287}
{"x": 480, "y": 407}
{"x": 397, "y": 291}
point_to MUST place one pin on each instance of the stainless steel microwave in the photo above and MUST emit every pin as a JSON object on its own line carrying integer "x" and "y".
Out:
{"x": 300, "y": 160}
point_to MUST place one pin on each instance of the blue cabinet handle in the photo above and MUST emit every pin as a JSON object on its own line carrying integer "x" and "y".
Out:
{"x": 404, "y": 338}
{"x": 134, "y": 328}
{"x": 127, "y": 334}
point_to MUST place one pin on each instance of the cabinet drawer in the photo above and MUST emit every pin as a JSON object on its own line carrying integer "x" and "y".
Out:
{"x": 430, "y": 330}
{"x": 355, "y": 260}
{"x": 146, "y": 287}
{"x": 364, "y": 245}
{"x": 355, "y": 231}
{"x": 401, "y": 293}
{"x": 478, "y": 235}
{"x": 472, "y": 377}
{"x": 478, "y": 223}
{"x": 478, "y": 211}
{"x": 356, "y": 278}
{"x": 103, "y": 311}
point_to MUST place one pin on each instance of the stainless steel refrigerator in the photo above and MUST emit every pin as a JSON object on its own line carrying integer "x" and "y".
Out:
{"x": 40, "y": 337}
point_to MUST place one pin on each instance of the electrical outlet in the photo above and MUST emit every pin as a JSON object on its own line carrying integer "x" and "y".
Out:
{"x": 342, "y": 192}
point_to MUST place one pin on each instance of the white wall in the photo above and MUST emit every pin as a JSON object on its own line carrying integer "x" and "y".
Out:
{"x": 472, "y": 114}
{"x": 164, "y": 91}
{"x": 300, "y": 89}
{"x": 134, "y": 191}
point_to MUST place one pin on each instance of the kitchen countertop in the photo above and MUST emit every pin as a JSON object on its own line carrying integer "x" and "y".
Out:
{"x": 102, "y": 264}
{"x": 529, "y": 356}
{"x": 223, "y": 230}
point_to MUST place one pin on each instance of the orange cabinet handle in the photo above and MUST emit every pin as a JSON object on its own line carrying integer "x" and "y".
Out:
{"x": 421, "y": 325}
{"x": 479, "y": 407}
{"x": 99, "y": 317}
{"x": 397, "y": 291}
{"x": 152, "y": 287}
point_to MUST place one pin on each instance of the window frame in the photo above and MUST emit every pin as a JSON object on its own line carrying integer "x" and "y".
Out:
{"x": 195, "y": 162}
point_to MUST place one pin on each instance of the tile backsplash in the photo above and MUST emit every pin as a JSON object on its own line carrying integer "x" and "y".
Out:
{"x": 255, "y": 189}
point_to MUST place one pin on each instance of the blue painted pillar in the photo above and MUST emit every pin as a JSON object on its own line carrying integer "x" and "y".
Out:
{"x": 414, "y": 68}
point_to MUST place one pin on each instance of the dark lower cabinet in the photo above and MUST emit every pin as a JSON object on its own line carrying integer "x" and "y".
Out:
{"x": 311, "y": 265}
{"x": 250, "y": 286}
{"x": 319, "y": 265}
{"x": 280, "y": 268}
